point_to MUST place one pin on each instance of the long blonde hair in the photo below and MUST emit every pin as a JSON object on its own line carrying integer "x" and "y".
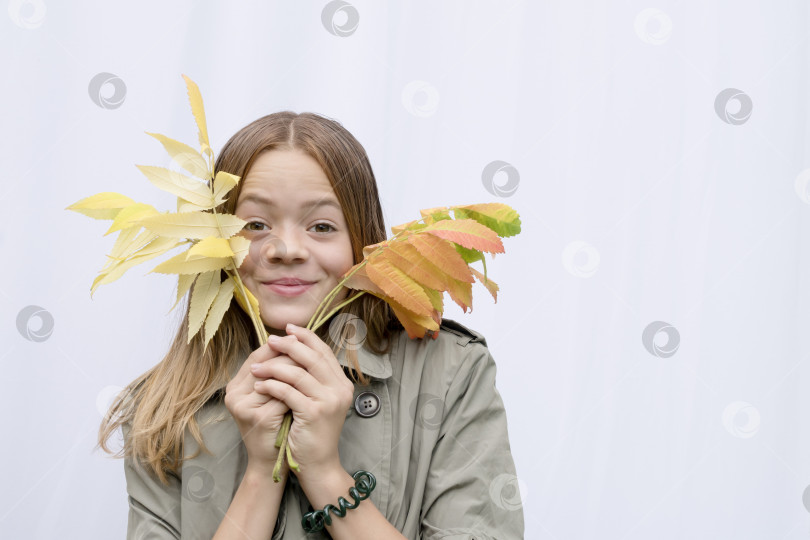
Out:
{"x": 161, "y": 404}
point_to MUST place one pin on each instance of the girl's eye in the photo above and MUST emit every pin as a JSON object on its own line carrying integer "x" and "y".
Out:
{"x": 248, "y": 225}
{"x": 324, "y": 225}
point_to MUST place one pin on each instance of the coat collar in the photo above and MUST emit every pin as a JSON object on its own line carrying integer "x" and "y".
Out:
{"x": 371, "y": 364}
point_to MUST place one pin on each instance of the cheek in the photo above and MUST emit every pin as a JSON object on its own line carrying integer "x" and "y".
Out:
{"x": 246, "y": 268}
{"x": 339, "y": 260}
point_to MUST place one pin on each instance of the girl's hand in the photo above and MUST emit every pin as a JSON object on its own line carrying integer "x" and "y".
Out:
{"x": 317, "y": 391}
{"x": 258, "y": 416}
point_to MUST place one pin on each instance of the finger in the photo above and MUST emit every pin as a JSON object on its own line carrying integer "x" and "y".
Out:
{"x": 297, "y": 377}
{"x": 310, "y": 359}
{"x": 241, "y": 380}
{"x": 311, "y": 339}
{"x": 268, "y": 404}
{"x": 282, "y": 391}
{"x": 261, "y": 370}
{"x": 308, "y": 337}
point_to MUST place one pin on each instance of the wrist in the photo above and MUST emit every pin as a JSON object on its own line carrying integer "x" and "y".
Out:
{"x": 263, "y": 469}
{"x": 324, "y": 486}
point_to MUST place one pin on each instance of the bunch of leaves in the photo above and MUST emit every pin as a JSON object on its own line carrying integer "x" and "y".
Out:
{"x": 144, "y": 233}
{"x": 428, "y": 257}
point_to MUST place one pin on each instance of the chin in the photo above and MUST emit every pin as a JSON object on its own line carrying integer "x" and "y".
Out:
{"x": 280, "y": 321}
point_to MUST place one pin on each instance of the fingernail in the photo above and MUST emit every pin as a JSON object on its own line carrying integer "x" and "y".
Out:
{"x": 254, "y": 366}
{"x": 274, "y": 338}
{"x": 291, "y": 326}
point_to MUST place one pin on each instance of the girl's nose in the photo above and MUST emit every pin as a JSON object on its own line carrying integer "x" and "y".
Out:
{"x": 283, "y": 247}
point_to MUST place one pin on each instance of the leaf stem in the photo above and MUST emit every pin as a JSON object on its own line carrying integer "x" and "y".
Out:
{"x": 323, "y": 319}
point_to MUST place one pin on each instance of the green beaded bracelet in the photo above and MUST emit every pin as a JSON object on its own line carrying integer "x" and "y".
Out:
{"x": 364, "y": 484}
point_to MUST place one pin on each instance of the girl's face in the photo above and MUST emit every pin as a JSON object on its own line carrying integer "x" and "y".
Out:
{"x": 297, "y": 230}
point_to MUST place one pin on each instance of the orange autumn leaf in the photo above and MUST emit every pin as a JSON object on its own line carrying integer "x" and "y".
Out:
{"x": 416, "y": 325}
{"x": 500, "y": 217}
{"x": 491, "y": 286}
{"x": 396, "y": 284}
{"x": 467, "y": 233}
{"x": 432, "y": 215}
{"x": 442, "y": 254}
{"x": 408, "y": 259}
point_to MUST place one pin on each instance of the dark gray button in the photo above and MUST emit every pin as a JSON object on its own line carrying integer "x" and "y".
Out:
{"x": 367, "y": 404}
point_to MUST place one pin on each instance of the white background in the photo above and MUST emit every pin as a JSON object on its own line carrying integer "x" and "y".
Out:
{"x": 639, "y": 204}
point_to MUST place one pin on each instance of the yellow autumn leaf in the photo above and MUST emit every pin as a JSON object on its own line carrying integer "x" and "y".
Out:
{"x": 218, "y": 309}
{"x": 180, "y": 264}
{"x": 194, "y": 225}
{"x": 182, "y": 186}
{"x": 104, "y": 205}
{"x": 184, "y": 282}
{"x": 184, "y": 155}
{"x": 128, "y": 242}
{"x": 202, "y": 296}
{"x": 129, "y": 216}
{"x": 211, "y": 247}
{"x": 197, "y": 109}
{"x": 184, "y": 207}
{"x": 223, "y": 184}
{"x": 249, "y": 304}
{"x": 240, "y": 247}
{"x": 155, "y": 248}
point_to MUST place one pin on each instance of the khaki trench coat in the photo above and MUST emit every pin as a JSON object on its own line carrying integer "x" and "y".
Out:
{"x": 437, "y": 444}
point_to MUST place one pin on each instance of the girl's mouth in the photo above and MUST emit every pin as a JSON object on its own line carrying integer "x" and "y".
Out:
{"x": 287, "y": 290}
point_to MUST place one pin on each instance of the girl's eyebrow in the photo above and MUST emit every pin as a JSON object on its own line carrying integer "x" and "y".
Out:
{"x": 314, "y": 203}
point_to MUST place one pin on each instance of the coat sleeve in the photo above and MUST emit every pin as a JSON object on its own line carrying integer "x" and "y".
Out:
{"x": 154, "y": 508}
{"x": 472, "y": 489}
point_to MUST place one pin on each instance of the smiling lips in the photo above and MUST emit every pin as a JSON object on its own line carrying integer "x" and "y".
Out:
{"x": 288, "y": 286}
{"x": 289, "y": 281}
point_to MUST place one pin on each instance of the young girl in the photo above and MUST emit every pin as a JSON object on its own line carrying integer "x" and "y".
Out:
{"x": 422, "y": 416}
